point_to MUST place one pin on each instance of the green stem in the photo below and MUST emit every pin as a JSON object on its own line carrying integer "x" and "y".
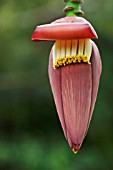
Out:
{"x": 73, "y": 8}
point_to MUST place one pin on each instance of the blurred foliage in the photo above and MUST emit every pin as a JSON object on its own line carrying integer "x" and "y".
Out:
{"x": 30, "y": 133}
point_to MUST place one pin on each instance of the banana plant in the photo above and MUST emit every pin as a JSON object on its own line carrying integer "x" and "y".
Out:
{"x": 74, "y": 70}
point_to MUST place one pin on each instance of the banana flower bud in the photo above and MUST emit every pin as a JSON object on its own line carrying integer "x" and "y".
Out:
{"x": 74, "y": 73}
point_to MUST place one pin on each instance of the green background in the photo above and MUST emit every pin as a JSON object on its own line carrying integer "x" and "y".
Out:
{"x": 31, "y": 137}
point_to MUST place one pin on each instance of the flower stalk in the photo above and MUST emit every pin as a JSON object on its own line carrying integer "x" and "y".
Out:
{"x": 73, "y": 8}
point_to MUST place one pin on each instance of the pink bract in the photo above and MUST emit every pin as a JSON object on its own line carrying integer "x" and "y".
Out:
{"x": 65, "y": 28}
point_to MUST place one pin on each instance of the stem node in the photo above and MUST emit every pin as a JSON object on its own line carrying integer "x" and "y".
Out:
{"x": 73, "y": 8}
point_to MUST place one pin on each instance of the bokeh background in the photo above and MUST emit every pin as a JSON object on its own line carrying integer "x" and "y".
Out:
{"x": 31, "y": 137}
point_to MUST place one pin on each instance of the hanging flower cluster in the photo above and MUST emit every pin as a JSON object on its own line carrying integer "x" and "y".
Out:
{"x": 74, "y": 70}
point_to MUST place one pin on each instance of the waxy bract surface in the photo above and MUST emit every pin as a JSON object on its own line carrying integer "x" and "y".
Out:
{"x": 75, "y": 89}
